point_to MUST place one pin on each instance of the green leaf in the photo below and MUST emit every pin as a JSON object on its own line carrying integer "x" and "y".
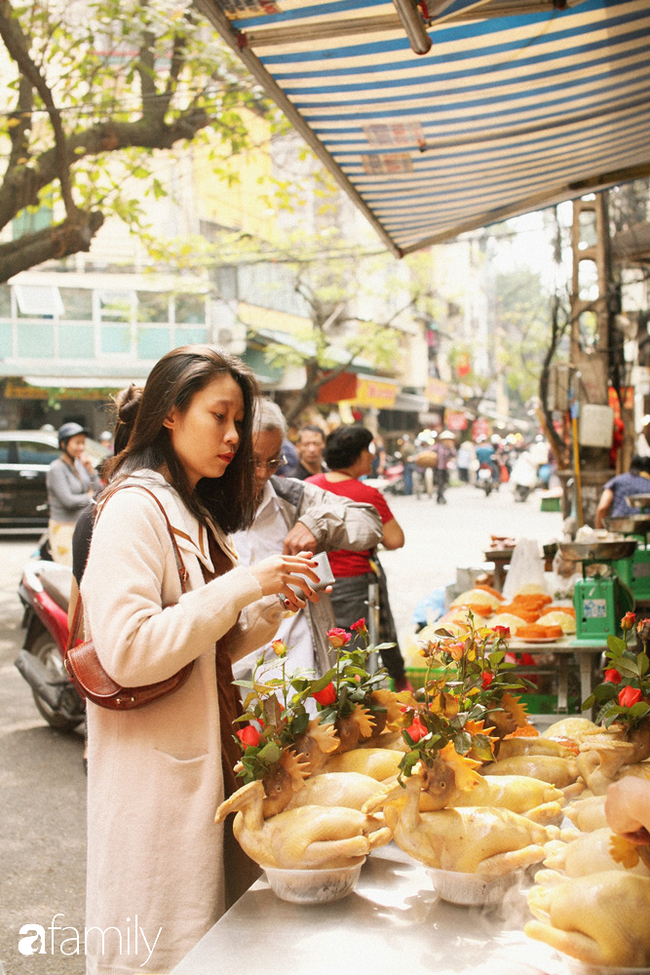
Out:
{"x": 270, "y": 754}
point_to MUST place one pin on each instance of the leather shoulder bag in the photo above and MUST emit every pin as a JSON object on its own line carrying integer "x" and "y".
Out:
{"x": 85, "y": 669}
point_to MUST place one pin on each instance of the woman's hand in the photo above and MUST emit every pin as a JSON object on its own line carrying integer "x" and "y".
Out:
{"x": 87, "y": 462}
{"x": 278, "y": 572}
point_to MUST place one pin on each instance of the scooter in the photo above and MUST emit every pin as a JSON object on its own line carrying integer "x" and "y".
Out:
{"x": 485, "y": 478}
{"x": 44, "y": 591}
{"x": 523, "y": 476}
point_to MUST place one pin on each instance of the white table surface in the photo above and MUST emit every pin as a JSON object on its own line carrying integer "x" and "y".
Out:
{"x": 392, "y": 924}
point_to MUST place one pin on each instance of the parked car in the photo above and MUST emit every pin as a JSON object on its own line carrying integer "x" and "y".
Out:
{"x": 25, "y": 456}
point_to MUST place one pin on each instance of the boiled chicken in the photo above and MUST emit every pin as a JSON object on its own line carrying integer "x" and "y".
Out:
{"x": 350, "y": 789}
{"x": 486, "y": 841}
{"x": 603, "y": 758}
{"x": 588, "y": 813}
{"x": 307, "y": 837}
{"x": 594, "y": 852}
{"x": 575, "y": 729}
{"x": 553, "y": 769}
{"x": 378, "y": 763}
{"x": 452, "y": 781}
{"x": 509, "y": 747}
{"x": 601, "y": 919}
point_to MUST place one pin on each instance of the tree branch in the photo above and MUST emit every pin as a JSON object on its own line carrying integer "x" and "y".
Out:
{"x": 69, "y": 237}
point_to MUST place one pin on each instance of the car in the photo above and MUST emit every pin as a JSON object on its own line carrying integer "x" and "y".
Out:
{"x": 25, "y": 456}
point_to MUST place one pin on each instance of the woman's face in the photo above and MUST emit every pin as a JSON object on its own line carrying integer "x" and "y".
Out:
{"x": 206, "y": 436}
{"x": 76, "y": 445}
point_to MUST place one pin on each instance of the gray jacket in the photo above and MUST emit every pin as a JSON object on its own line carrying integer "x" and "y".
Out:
{"x": 67, "y": 490}
{"x": 335, "y": 522}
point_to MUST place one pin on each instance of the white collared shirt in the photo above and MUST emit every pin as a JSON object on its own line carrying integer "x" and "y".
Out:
{"x": 266, "y": 537}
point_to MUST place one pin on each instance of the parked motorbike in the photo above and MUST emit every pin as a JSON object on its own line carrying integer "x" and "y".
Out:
{"x": 44, "y": 591}
{"x": 485, "y": 478}
{"x": 393, "y": 478}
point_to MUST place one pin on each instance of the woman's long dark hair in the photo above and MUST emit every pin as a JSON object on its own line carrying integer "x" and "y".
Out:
{"x": 173, "y": 382}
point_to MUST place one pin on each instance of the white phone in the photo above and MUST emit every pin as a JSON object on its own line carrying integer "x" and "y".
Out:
{"x": 323, "y": 570}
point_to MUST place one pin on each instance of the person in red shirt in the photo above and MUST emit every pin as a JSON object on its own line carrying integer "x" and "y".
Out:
{"x": 349, "y": 455}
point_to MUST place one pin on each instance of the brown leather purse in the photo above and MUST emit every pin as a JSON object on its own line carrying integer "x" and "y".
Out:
{"x": 86, "y": 671}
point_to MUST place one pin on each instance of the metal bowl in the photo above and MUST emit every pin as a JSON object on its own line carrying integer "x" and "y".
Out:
{"x": 638, "y": 500}
{"x": 629, "y": 524}
{"x": 597, "y": 551}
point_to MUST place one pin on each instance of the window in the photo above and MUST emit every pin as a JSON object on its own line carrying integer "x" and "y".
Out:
{"x": 78, "y": 304}
{"x": 190, "y": 309}
{"x": 33, "y": 452}
{"x": 153, "y": 306}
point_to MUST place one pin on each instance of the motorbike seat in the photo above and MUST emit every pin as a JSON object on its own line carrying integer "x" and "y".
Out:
{"x": 57, "y": 584}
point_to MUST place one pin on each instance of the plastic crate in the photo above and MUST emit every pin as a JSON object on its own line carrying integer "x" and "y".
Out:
{"x": 550, "y": 504}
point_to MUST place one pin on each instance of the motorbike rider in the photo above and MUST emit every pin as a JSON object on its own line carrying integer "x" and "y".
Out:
{"x": 485, "y": 454}
{"x": 71, "y": 484}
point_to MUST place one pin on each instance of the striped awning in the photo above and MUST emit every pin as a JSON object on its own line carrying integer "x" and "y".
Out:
{"x": 515, "y": 106}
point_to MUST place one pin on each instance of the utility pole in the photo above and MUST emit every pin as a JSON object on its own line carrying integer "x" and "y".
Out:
{"x": 590, "y": 343}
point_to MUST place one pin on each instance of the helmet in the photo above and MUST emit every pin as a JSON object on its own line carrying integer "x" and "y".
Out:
{"x": 495, "y": 438}
{"x": 69, "y": 430}
{"x": 105, "y": 436}
{"x": 481, "y": 438}
{"x": 447, "y": 435}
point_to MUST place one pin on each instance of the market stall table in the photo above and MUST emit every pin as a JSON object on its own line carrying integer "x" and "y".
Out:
{"x": 392, "y": 922}
{"x": 588, "y": 658}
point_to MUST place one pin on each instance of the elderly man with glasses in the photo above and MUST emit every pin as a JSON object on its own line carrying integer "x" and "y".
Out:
{"x": 293, "y": 516}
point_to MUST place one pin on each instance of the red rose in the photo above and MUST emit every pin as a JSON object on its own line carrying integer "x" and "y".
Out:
{"x": 249, "y": 736}
{"x": 326, "y": 696}
{"x": 487, "y": 679}
{"x": 417, "y": 730}
{"x": 338, "y": 637}
{"x": 629, "y": 696}
{"x": 360, "y": 626}
{"x": 503, "y": 632}
{"x": 628, "y": 621}
{"x": 613, "y": 676}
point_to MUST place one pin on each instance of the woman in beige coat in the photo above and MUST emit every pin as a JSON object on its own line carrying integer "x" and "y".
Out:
{"x": 155, "y": 857}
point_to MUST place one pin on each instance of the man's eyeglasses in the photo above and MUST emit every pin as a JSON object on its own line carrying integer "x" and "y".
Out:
{"x": 269, "y": 465}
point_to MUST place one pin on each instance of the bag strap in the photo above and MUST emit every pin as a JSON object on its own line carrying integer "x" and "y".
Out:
{"x": 180, "y": 565}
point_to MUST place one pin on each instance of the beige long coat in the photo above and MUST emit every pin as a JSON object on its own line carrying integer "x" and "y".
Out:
{"x": 154, "y": 774}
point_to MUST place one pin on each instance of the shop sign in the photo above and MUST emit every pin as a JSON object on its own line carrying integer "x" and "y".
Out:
{"x": 370, "y": 392}
{"x": 480, "y": 428}
{"x": 16, "y": 390}
{"x": 455, "y": 420}
{"x": 436, "y": 391}
{"x": 359, "y": 391}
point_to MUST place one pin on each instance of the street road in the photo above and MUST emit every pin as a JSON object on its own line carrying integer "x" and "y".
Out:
{"x": 42, "y": 784}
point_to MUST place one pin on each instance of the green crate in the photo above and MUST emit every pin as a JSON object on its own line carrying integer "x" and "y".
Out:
{"x": 551, "y": 504}
{"x": 547, "y": 703}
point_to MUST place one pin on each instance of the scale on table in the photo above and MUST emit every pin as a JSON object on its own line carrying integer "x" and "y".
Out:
{"x": 634, "y": 572}
{"x": 603, "y": 598}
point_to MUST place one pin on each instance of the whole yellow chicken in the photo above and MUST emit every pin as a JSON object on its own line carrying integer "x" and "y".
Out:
{"x": 601, "y": 919}
{"x": 486, "y": 841}
{"x": 309, "y": 836}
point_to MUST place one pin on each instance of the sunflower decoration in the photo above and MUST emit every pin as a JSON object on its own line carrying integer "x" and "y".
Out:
{"x": 274, "y": 721}
{"x": 349, "y": 696}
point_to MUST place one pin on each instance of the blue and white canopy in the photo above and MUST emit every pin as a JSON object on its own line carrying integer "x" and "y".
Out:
{"x": 515, "y": 106}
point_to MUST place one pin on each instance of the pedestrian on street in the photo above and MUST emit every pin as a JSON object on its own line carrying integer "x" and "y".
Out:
{"x": 71, "y": 483}
{"x": 408, "y": 450}
{"x": 156, "y": 774}
{"x": 445, "y": 453}
{"x": 613, "y": 500}
{"x": 464, "y": 460}
{"x": 309, "y": 446}
{"x": 349, "y": 458}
